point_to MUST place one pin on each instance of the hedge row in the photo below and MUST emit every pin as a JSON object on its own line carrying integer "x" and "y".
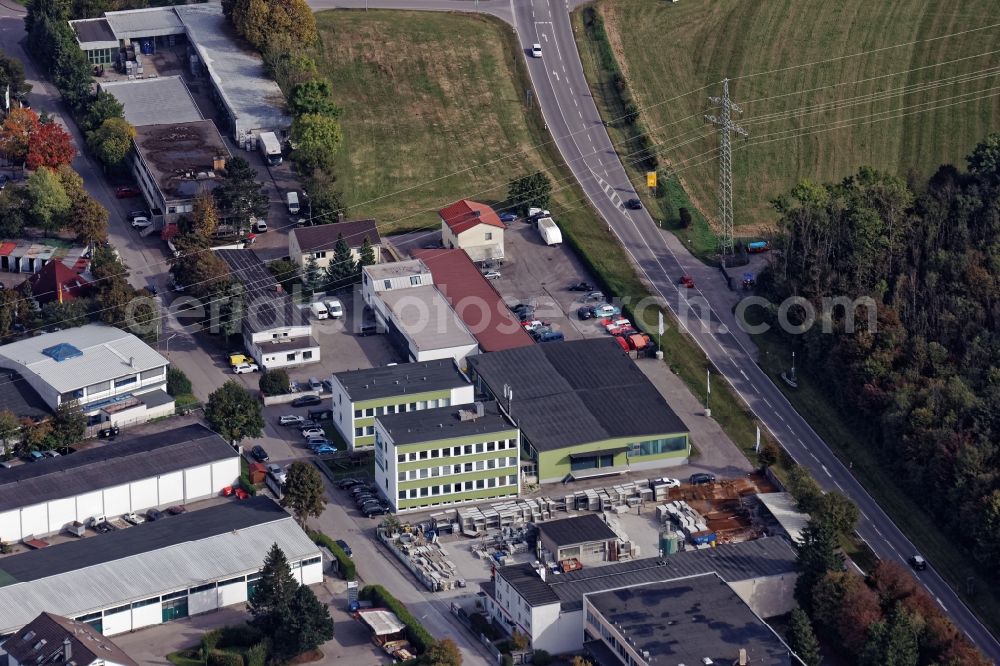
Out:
{"x": 629, "y": 109}
{"x": 346, "y": 565}
{"x": 419, "y": 637}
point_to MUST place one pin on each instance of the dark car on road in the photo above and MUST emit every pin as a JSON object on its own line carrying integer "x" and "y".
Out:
{"x": 917, "y": 562}
{"x": 701, "y": 478}
{"x": 307, "y": 401}
{"x": 105, "y": 433}
{"x": 633, "y": 204}
{"x": 581, "y": 286}
{"x": 344, "y": 547}
{"x": 126, "y": 192}
{"x": 259, "y": 454}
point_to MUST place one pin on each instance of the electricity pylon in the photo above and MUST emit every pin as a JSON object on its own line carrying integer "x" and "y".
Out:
{"x": 727, "y": 127}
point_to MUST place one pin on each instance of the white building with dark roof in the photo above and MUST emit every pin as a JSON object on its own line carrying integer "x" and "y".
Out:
{"x": 155, "y": 572}
{"x": 114, "y": 376}
{"x": 146, "y": 469}
{"x": 548, "y": 609}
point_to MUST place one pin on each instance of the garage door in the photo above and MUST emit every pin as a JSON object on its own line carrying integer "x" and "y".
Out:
{"x": 197, "y": 482}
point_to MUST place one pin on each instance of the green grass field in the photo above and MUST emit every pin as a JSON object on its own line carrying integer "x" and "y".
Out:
{"x": 424, "y": 95}
{"x": 667, "y": 50}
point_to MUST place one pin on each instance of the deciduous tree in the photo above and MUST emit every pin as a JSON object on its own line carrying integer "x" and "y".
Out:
{"x": 234, "y": 413}
{"x": 532, "y": 191}
{"x": 840, "y": 512}
{"x": 444, "y": 652}
{"x": 89, "y": 220}
{"x": 316, "y": 139}
{"x": 9, "y": 427}
{"x": 68, "y": 425}
{"x": 304, "y": 492}
{"x": 12, "y": 74}
{"x": 16, "y": 132}
{"x": 274, "y": 382}
{"x": 67, "y": 314}
{"x": 177, "y": 382}
{"x": 205, "y": 219}
{"x": 49, "y": 202}
{"x": 104, "y": 107}
{"x": 111, "y": 141}
{"x": 315, "y": 96}
{"x": 50, "y": 146}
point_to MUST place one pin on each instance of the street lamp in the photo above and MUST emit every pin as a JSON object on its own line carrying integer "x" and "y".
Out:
{"x": 309, "y": 202}
{"x": 167, "y": 342}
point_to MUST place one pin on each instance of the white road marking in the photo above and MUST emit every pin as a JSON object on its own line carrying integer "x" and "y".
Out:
{"x": 744, "y": 375}
{"x": 789, "y": 428}
{"x": 576, "y": 101}
{"x": 813, "y": 456}
{"x": 938, "y": 599}
{"x": 555, "y": 74}
{"x": 826, "y": 471}
{"x": 581, "y": 113}
{"x": 768, "y": 403}
{"x": 799, "y": 440}
{"x": 782, "y": 418}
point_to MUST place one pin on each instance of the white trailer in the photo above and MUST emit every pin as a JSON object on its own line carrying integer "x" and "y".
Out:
{"x": 270, "y": 148}
{"x": 549, "y": 231}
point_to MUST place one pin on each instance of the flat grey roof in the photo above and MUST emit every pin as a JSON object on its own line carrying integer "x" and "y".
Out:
{"x": 575, "y": 392}
{"x": 427, "y": 318}
{"x": 397, "y": 269}
{"x": 401, "y": 379}
{"x": 93, "y": 31}
{"x": 19, "y": 398}
{"x": 769, "y": 556}
{"x": 238, "y": 72}
{"x": 164, "y": 100}
{"x": 147, "y": 22}
{"x": 443, "y": 423}
{"x": 177, "y": 153}
{"x": 129, "y": 458}
{"x": 687, "y": 620}
{"x": 580, "y": 529}
{"x": 266, "y": 306}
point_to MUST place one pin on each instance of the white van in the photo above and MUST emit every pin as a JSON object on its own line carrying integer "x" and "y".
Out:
{"x": 318, "y": 310}
{"x": 292, "y": 199}
{"x": 334, "y": 307}
{"x": 258, "y": 226}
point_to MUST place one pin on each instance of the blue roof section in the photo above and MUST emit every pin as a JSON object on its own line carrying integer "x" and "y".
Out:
{"x": 62, "y": 352}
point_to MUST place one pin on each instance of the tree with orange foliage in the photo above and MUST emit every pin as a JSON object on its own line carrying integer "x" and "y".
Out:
{"x": 50, "y": 146}
{"x": 16, "y": 132}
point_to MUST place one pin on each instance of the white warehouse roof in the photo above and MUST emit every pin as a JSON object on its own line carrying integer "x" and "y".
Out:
{"x": 102, "y": 571}
{"x": 77, "y": 357}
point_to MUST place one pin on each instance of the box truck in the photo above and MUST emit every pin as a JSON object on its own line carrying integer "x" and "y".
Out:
{"x": 549, "y": 231}
{"x": 270, "y": 148}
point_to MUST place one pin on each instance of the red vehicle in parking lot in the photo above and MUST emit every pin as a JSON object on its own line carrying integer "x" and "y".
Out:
{"x": 126, "y": 192}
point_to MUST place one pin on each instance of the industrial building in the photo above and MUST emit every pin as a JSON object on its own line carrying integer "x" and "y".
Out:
{"x": 114, "y": 376}
{"x": 158, "y": 101}
{"x": 359, "y": 396}
{"x": 473, "y": 227}
{"x": 695, "y": 620}
{"x": 145, "y": 469}
{"x": 584, "y": 409}
{"x": 197, "y": 37}
{"x": 418, "y": 319}
{"x": 445, "y": 456}
{"x": 276, "y": 332}
{"x": 475, "y": 300}
{"x": 319, "y": 242}
{"x": 548, "y": 609}
{"x": 31, "y": 256}
{"x": 587, "y": 539}
{"x": 157, "y": 571}
{"x": 59, "y": 641}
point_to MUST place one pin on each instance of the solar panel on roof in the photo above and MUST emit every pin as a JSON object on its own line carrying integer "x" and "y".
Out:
{"x": 62, "y": 352}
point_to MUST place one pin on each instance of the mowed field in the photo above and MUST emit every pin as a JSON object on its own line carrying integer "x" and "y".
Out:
{"x": 819, "y": 122}
{"x": 432, "y": 112}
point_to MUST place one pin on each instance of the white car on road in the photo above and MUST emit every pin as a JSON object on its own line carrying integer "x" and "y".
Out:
{"x": 140, "y": 222}
{"x": 291, "y": 420}
{"x": 536, "y": 50}
{"x": 245, "y": 367}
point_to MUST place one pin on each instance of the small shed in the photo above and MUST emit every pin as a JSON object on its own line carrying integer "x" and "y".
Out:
{"x": 783, "y": 508}
{"x": 257, "y": 472}
{"x": 585, "y": 538}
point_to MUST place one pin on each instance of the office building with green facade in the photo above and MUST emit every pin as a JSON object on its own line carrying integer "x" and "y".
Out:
{"x": 360, "y": 396}
{"x": 446, "y": 456}
{"x": 584, "y": 409}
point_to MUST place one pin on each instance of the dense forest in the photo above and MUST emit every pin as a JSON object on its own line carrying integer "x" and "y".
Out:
{"x": 924, "y": 383}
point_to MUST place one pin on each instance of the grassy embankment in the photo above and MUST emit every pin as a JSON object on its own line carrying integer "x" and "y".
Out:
{"x": 666, "y": 50}
{"x": 420, "y": 104}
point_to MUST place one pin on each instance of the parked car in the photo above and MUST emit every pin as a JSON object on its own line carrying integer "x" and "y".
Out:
{"x": 344, "y": 547}
{"x": 360, "y": 488}
{"x": 594, "y": 297}
{"x": 375, "y": 511}
{"x": 104, "y": 527}
{"x": 315, "y": 442}
{"x": 633, "y": 204}
{"x": 259, "y": 454}
{"x": 126, "y": 192}
{"x": 176, "y": 509}
{"x": 581, "y": 286}
{"x": 315, "y": 385}
{"x": 320, "y": 414}
{"x": 132, "y": 214}
{"x": 323, "y": 450}
{"x": 244, "y": 368}
{"x": 277, "y": 472}
{"x": 598, "y": 311}
{"x": 701, "y": 478}
{"x": 917, "y": 562}
{"x": 492, "y": 275}
{"x": 290, "y": 420}
{"x": 112, "y": 431}
{"x": 50, "y": 453}
{"x": 334, "y": 307}
{"x": 535, "y": 325}
{"x": 508, "y": 217}
{"x": 307, "y": 401}
{"x": 141, "y": 223}
{"x": 551, "y": 336}
{"x": 35, "y": 456}
{"x": 153, "y": 515}
{"x": 309, "y": 423}
{"x": 665, "y": 481}
{"x": 133, "y": 519}
{"x": 313, "y": 432}
{"x": 349, "y": 483}
{"x": 328, "y": 386}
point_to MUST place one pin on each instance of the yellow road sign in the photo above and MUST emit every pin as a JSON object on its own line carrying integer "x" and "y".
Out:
{"x": 651, "y": 179}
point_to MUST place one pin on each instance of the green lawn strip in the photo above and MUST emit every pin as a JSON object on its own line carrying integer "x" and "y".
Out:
{"x": 183, "y": 658}
{"x": 953, "y": 563}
